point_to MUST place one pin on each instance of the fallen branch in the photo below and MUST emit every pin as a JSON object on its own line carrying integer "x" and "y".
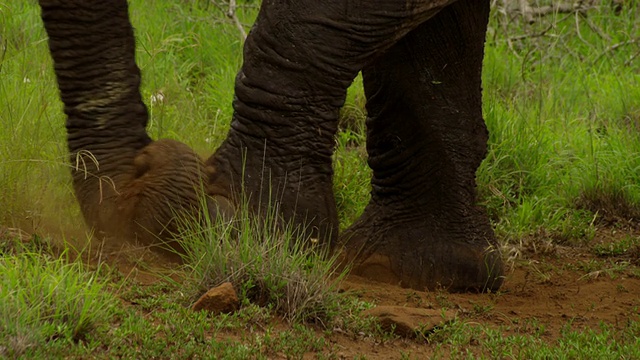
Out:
{"x": 530, "y": 13}
{"x": 632, "y": 58}
{"x": 539, "y": 33}
{"x": 556, "y": 9}
{"x": 596, "y": 29}
{"x": 534, "y": 35}
{"x": 617, "y": 46}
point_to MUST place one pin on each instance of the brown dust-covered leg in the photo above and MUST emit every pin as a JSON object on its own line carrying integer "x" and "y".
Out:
{"x": 129, "y": 187}
{"x": 425, "y": 139}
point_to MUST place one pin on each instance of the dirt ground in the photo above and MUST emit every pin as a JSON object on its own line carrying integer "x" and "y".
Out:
{"x": 546, "y": 287}
{"x": 544, "y": 290}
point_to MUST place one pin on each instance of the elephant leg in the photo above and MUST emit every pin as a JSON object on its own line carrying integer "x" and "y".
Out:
{"x": 129, "y": 187}
{"x": 425, "y": 139}
{"x": 299, "y": 59}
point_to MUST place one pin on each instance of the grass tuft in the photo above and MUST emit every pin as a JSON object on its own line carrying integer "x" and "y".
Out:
{"x": 611, "y": 203}
{"x": 265, "y": 263}
{"x": 47, "y": 299}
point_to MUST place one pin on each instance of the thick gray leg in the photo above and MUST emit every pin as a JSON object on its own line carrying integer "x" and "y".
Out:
{"x": 299, "y": 59}
{"x": 425, "y": 138}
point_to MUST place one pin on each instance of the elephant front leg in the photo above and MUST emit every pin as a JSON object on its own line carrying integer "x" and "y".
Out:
{"x": 425, "y": 139}
{"x": 299, "y": 59}
{"x": 129, "y": 187}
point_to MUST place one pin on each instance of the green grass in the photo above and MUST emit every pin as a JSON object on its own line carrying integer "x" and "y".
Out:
{"x": 563, "y": 110}
{"x": 30, "y": 123}
{"x": 266, "y": 265}
{"x": 455, "y": 341}
{"x": 48, "y": 300}
{"x": 191, "y": 56}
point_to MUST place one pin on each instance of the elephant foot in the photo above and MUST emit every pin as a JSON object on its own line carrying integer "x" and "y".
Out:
{"x": 168, "y": 190}
{"x": 421, "y": 254}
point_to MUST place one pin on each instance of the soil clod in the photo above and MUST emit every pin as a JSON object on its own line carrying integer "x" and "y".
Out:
{"x": 218, "y": 300}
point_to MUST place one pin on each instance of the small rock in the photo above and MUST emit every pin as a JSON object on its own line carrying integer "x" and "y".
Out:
{"x": 220, "y": 299}
{"x": 408, "y": 321}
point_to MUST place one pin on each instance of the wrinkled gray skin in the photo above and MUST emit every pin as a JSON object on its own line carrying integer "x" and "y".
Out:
{"x": 421, "y": 62}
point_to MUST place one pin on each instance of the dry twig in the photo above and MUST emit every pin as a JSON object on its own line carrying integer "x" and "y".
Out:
{"x": 617, "y": 46}
{"x": 231, "y": 14}
{"x": 530, "y": 13}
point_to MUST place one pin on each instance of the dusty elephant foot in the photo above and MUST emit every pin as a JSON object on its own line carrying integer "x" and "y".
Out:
{"x": 426, "y": 139}
{"x": 130, "y": 188}
{"x": 168, "y": 191}
{"x": 419, "y": 254}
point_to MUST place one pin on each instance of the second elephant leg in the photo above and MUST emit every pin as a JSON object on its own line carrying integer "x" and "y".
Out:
{"x": 299, "y": 59}
{"x": 425, "y": 139}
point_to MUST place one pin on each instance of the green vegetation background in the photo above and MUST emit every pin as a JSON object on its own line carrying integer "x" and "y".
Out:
{"x": 561, "y": 100}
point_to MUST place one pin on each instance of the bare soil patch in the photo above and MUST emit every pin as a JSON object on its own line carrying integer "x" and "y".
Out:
{"x": 547, "y": 289}
{"x": 542, "y": 295}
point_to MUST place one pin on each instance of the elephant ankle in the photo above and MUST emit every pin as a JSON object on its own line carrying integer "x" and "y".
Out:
{"x": 423, "y": 257}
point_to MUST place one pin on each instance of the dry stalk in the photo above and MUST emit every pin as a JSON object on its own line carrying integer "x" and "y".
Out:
{"x": 231, "y": 14}
{"x": 616, "y": 46}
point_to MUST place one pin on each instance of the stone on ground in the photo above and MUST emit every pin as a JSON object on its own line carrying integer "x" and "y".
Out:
{"x": 218, "y": 300}
{"x": 408, "y": 321}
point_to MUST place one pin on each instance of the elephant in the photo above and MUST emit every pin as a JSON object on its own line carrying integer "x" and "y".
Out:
{"x": 421, "y": 63}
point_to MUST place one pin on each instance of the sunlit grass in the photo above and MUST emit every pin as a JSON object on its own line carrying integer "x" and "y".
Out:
{"x": 561, "y": 113}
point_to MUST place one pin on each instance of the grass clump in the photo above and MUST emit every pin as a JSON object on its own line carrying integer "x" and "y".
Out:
{"x": 604, "y": 343}
{"x": 627, "y": 245}
{"x": 48, "y": 300}
{"x": 266, "y": 263}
